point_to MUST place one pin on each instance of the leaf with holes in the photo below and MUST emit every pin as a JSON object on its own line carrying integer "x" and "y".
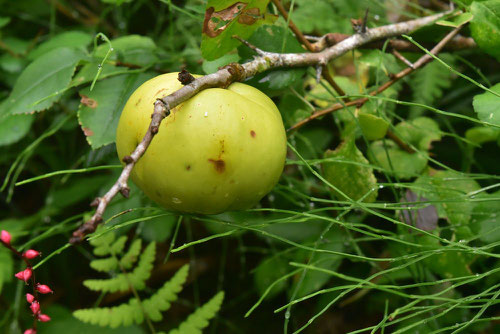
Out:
{"x": 42, "y": 82}
{"x": 226, "y": 18}
{"x": 101, "y": 108}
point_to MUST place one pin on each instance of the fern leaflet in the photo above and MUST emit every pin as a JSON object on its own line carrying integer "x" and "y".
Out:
{"x": 197, "y": 321}
{"x": 131, "y": 312}
{"x": 121, "y": 282}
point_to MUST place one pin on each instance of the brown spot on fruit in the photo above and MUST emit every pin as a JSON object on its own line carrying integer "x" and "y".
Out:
{"x": 219, "y": 165}
{"x": 161, "y": 90}
{"x": 138, "y": 101}
{"x": 253, "y": 134}
{"x": 188, "y": 167}
{"x": 87, "y": 101}
{"x": 88, "y": 132}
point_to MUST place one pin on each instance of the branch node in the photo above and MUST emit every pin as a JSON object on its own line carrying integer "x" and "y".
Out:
{"x": 125, "y": 191}
{"x": 185, "y": 77}
{"x": 95, "y": 202}
{"x": 127, "y": 159}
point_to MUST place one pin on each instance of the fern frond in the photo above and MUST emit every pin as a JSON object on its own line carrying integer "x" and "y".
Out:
{"x": 163, "y": 298}
{"x": 104, "y": 265}
{"x": 137, "y": 278}
{"x": 200, "y": 318}
{"x": 102, "y": 243}
{"x": 429, "y": 82}
{"x": 127, "y": 314}
{"x": 128, "y": 260}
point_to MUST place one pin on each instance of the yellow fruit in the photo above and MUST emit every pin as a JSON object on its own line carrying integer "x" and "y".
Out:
{"x": 223, "y": 149}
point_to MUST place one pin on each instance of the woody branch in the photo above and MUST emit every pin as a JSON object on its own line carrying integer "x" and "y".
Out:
{"x": 223, "y": 78}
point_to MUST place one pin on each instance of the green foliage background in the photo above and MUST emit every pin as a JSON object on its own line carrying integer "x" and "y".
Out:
{"x": 359, "y": 236}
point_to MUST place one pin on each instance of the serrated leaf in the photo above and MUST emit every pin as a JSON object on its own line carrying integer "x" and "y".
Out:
{"x": 128, "y": 260}
{"x": 42, "y": 82}
{"x": 70, "y": 39}
{"x": 199, "y": 320}
{"x": 485, "y": 26}
{"x": 487, "y": 106}
{"x": 102, "y": 107}
{"x": 448, "y": 189}
{"x": 104, "y": 265}
{"x": 14, "y": 127}
{"x": 373, "y": 127}
{"x": 350, "y": 173}
{"x": 402, "y": 164}
{"x": 226, "y": 18}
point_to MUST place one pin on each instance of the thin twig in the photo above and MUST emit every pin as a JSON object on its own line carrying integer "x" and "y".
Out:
{"x": 360, "y": 102}
{"x": 223, "y": 78}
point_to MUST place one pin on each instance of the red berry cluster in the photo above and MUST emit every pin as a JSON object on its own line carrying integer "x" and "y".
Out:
{"x": 27, "y": 275}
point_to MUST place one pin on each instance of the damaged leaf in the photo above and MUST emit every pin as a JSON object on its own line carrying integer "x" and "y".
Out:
{"x": 224, "y": 19}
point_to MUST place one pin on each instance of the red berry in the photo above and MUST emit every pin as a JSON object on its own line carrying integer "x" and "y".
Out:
{"x": 30, "y": 331}
{"x": 5, "y": 237}
{"x": 42, "y": 288}
{"x": 43, "y": 317}
{"x": 30, "y": 298}
{"x": 31, "y": 254}
{"x": 24, "y": 275}
{"x": 35, "y": 307}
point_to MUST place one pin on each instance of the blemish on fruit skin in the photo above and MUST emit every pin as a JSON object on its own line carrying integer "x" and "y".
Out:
{"x": 161, "y": 90}
{"x": 138, "y": 101}
{"x": 219, "y": 165}
{"x": 188, "y": 167}
{"x": 253, "y": 134}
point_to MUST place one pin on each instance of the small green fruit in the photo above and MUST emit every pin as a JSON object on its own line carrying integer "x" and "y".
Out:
{"x": 223, "y": 149}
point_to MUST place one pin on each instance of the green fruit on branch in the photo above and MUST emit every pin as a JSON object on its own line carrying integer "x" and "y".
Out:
{"x": 223, "y": 149}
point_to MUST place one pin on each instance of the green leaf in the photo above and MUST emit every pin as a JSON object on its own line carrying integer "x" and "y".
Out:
{"x": 121, "y": 282}
{"x": 384, "y": 62}
{"x": 212, "y": 66}
{"x": 420, "y": 132}
{"x": 70, "y": 39}
{"x": 402, "y": 164}
{"x": 131, "y": 49}
{"x": 487, "y": 106}
{"x": 197, "y": 321}
{"x": 6, "y": 267}
{"x": 4, "y": 21}
{"x": 88, "y": 72}
{"x": 350, "y": 173}
{"x": 225, "y": 18}
{"x": 42, "y": 82}
{"x": 268, "y": 271}
{"x": 14, "y": 127}
{"x": 485, "y": 26}
{"x": 429, "y": 82}
{"x": 373, "y": 127}
{"x": 273, "y": 39}
{"x": 449, "y": 189}
{"x": 63, "y": 321}
{"x": 102, "y": 107}
{"x": 456, "y": 21}
{"x": 486, "y": 218}
{"x": 158, "y": 229}
{"x": 482, "y": 134}
{"x": 315, "y": 280}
